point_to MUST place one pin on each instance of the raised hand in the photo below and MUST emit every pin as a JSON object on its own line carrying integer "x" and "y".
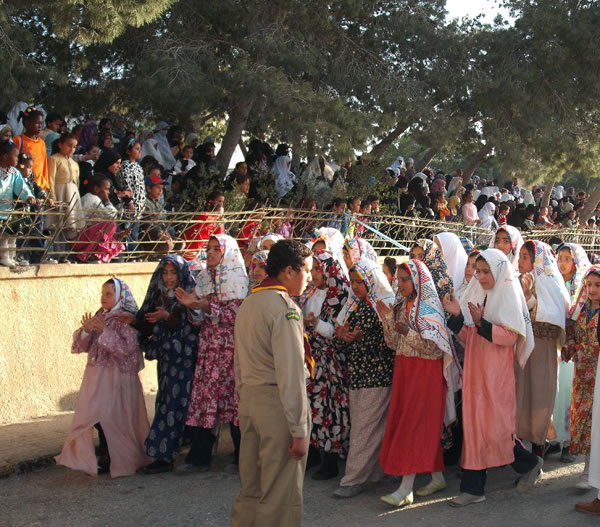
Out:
{"x": 527, "y": 281}
{"x": 187, "y": 299}
{"x": 159, "y": 314}
{"x": 382, "y": 309}
{"x": 86, "y": 322}
{"x": 476, "y": 313}
{"x": 451, "y": 304}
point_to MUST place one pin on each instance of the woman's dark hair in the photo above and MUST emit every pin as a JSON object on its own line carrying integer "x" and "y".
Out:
{"x": 96, "y": 181}
{"x": 530, "y": 246}
{"x": 337, "y": 202}
{"x": 103, "y": 122}
{"x": 110, "y": 281}
{"x": 212, "y": 197}
{"x": 284, "y": 253}
{"x": 61, "y": 140}
{"x": 391, "y": 264}
{"x": 148, "y": 160}
{"x": 89, "y": 147}
{"x": 127, "y": 146}
{"x": 6, "y": 147}
{"x": 481, "y": 201}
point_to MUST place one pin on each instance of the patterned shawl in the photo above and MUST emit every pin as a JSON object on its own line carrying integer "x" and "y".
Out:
{"x": 426, "y": 315}
{"x": 229, "y": 280}
{"x": 259, "y": 259}
{"x": 378, "y": 288}
{"x": 336, "y": 282}
{"x": 125, "y": 300}
{"x": 360, "y": 249}
{"x": 579, "y": 306}
{"x": 437, "y": 267}
{"x": 582, "y": 264}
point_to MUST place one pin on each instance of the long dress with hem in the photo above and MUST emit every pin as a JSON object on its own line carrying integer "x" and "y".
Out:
{"x": 111, "y": 394}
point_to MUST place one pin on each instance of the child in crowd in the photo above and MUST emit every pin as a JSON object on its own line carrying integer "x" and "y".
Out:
{"x": 29, "y": 142}
{"x": 221, "y": 287}
{"x": 156, "y": 229}
{"x": 52, "y": 131}
{"x": 205, "y": 225}
{"x": 416, "y": 329}
{"x": 167, "y": 336}
{"x": 389, "y": 270}
{"x": 12, "y": 188}
{"x": 186, "y": 162}
{"x": 583, "y": 348}
{"x": 258, "y": 270}
{"x": 321, "y": 303}
{"x": 111, "y": 396}
{"x": 99, "y": 241}
{"x": 503, "y": 211}
{"x": 370, "y": 365}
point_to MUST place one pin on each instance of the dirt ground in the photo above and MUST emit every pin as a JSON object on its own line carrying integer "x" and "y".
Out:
{"x": 57, "y": 496}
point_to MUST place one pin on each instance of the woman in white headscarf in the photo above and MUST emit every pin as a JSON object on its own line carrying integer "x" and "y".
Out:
{"x": 548, "y": 302}
{"x": 284, "y": 177}
{"x": 150, "y": 147}
{"x": 508, "y": 239}
{"x": 486, "y": 216}
{"x": 397, "y": 166}
{"x": 453, "y": 254}
{"x": 493, "y": 320}
{"x": 160, "y": 135}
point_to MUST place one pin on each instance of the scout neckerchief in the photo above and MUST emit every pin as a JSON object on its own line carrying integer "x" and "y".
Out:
{"x": 273, "y": 283}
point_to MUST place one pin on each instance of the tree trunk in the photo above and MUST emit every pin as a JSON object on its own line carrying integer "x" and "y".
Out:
{"x": 475, "y": 162}
{"x": 379, "y": 149}
{"x": 310, "y": 146}
{"x": 238, "y": 118}
{"x": 186, "y": 122}
{"x": 545, "y": 201}
{"x": 243, "y": 147}
{"x": 590, "y": 204}
{"x": 429, "y": 154}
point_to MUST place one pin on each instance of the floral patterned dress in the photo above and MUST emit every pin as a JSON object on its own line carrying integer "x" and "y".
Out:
{"x": 213, "y": 398}
{"x": 585, "y": 351}
{"x": 328, "y": 389}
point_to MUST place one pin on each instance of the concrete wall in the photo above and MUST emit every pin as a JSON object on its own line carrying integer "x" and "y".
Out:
{"x": 40, "y": 308}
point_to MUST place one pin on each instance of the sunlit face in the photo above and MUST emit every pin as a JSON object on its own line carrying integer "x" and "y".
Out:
{"x": 316, "y": 275}
{"x": 169, "y": 276}
{"x": 593, "y": 287}
{"x": 470, "y": 267}
{"x": 416, "y": 253}
{"x": 503, "y": 242}
{"x": 135, "y": 152}
{"x": 566, "y": 265}
{"x": 67, "y": 147}
{"x": 484, "y": 274}
{"x": 297, "y": 280}
{"x": 319, "y": 246}
{"x": 358, "y": 286}
{"x": 405, "y": 285}
{"x": 354, "y": 205}
{"x": 525, "y": 261}
{"x": 348, "y": 257}
{"x": 259, "y": 273}
{"x": 341, "y": 208}
{"x": 213, "y": 253}
{"x": 108, "y": 299}
{"x": 114, "y": 168}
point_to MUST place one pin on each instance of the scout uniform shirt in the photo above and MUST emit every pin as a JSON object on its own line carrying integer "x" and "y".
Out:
{"x": 269, "y": 350}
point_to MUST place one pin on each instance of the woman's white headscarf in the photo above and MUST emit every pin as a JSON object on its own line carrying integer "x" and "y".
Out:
{"x": 528, "y": 197}
{"x": 486, "y": 215}
{"x": 516, "y": 242}
{"x": 505, "y": 304}
{"x": 230, "y": 279}
{"x": 163, "y": 145}
{"x": 553, "y": 300}
{"x": 284, "y": 177}
{"x": 397, "y": 166}
{"x": 150, "y": 148}
{"x": 454, "y": 255}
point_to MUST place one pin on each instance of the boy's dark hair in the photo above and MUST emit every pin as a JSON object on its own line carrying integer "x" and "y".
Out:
{"x": 352, "y": 200}
{"x": 148, "y": 160}
{"x": 365, "y": 203}
{"x": 96, "y": 181}
{"x": 240, "y": 178}
{"x": 503, "y": 206}
{"x": 372, "y": 197}
{"x": 213, "y": 196}
{"x": 337, "y": 202}
{"x": 284, "y": 253}
{"x": 53, "y": 116}
{"x": 89, "y": 147}
{"x": 6, "y": 147}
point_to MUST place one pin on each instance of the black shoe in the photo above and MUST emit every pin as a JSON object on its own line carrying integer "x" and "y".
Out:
{"x": 329, "y": 468}
{"x": 104, "y": 465}
{"x": 314, "y": 457}
{"x": 552, "y": 449}
{"x": 566, "y": 456}
{"x": 157, "y": 467}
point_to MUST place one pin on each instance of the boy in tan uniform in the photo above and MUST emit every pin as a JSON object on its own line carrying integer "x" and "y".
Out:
{"x": 270, "y": 378}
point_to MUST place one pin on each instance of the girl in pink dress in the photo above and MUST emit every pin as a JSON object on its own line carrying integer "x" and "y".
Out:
{"x": 220, "y": 289}
{"x": 111, "y": 396}
{"x": 493, "y": 320}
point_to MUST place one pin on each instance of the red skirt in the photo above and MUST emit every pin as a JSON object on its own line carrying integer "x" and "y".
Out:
{"x": 412, "y": 440}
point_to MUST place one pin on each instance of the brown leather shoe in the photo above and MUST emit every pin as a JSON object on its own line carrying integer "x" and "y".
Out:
{"x": 592, "y": 507}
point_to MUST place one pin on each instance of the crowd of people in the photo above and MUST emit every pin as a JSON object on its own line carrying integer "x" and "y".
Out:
{"x": 484, "y": 355}
{"x": 96, "y": 190}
